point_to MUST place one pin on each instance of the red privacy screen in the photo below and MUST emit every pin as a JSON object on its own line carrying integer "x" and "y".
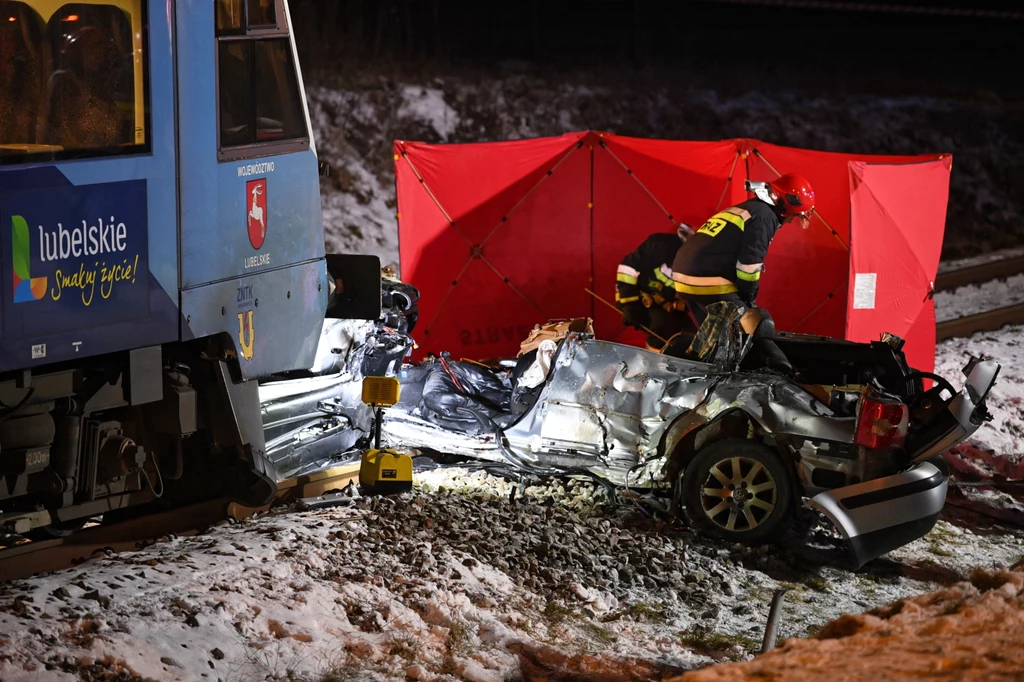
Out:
{"x": 501, "y": 236}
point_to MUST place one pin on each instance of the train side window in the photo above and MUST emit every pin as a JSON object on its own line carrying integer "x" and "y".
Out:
{"x": 237, "y": 17}
{"x": 21, "y": 74}
{"x": 261, "y": 13}
{"x": 235, "y": 59}
{"x": 279, "y": 114}
{"x": 260, "y": 110}
{"x": 229, "y": 16}
{"x": 79, "y": 88}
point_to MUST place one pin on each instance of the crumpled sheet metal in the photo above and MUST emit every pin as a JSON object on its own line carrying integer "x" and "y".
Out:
{"x": 406, "y": 430}
{"x": 779, "y": 407}
{"x": 342, "y": 345}
{"x": 607, "y": 406}
{"x": 610, "y": 404}
{"x": 308, "y": 420}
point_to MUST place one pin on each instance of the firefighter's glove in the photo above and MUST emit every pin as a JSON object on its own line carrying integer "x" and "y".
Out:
{"x": 634, "y": 315}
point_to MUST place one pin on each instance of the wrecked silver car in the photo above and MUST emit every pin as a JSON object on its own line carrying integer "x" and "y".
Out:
{"x": 738, "y": 428}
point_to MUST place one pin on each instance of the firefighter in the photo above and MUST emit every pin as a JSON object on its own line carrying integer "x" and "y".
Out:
{"x": 724, "y": 259}
{"x": 644, "y": 291}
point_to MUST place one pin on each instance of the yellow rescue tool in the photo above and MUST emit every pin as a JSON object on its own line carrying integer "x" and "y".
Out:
{"x": 383, "y": 471}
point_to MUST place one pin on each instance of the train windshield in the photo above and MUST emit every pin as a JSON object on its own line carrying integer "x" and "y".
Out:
{"x": 260, "y": 103}
{"x": 72, "y": 81}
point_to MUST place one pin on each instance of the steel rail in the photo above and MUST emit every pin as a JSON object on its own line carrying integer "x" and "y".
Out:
{"x": 979, "y": 274}
{"x": 988, "y": 321}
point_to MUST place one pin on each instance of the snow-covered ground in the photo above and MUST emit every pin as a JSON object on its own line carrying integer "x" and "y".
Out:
{"x": 990, "y": 257}
{"x": 976, "y": 298}
{"x": 1004, "y": 435}
{"x": 451, "y": 582}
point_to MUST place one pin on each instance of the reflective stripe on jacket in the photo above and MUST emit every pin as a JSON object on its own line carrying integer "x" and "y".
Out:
{"x": 726, "y": 254}
{"x": 645, "y": 270}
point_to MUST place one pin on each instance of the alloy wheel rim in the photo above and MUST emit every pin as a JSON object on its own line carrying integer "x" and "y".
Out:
{"x": 739, "y": 494}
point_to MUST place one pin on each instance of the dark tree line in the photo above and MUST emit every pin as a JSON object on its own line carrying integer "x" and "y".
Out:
{"x": 696, "y": 33}
{"x": 471, "y": 30}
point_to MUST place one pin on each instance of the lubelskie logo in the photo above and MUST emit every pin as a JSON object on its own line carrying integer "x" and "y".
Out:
{"x": 26, "y": 287}
{"x": 100, "y": 240}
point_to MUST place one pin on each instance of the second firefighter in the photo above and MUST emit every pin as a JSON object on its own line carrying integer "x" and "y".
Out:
{"x": 644, "y": 291}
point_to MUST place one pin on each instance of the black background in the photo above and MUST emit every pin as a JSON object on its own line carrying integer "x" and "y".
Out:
{"x": 776, "y": 40}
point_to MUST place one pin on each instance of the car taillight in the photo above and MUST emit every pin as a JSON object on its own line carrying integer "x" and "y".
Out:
{"x": 881, "y": 425}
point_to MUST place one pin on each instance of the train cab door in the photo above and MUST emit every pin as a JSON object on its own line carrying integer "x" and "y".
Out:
{"x": 88, "y": 191}
{"x": 252, "y": 248}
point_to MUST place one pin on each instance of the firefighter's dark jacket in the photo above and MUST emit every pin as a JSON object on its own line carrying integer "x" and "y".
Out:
{"x": 726, "y": 255}
{"x": 646, "y": 269}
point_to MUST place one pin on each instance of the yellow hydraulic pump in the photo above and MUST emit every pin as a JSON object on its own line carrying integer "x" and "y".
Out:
{"x": 383, "y": 471}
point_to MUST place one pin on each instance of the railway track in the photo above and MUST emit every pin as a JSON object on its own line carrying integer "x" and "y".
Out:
{"x": 988, "y": 320}
{"x": 979, "y": 274}
{"x": 34, "y": 557}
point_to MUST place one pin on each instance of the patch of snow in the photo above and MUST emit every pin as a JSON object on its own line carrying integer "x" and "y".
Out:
{"x": 361, "y": 223}
{"x": 977, "y": 298}
{"x": 429, "y": 106}
{"x": 442, "y": 581}
{"x": 991, "y": 257}
{"x": 358, "y": 208}
{"x": 1004, "y": 435}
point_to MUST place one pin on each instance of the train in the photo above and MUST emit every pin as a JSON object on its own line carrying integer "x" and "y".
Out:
{"x": 162, "y": 251}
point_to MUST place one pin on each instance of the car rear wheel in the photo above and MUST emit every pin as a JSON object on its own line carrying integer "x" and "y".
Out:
{"x": 738, "y": 490}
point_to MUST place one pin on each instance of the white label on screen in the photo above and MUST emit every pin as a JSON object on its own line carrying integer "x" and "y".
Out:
{"x": 864, "y": 291}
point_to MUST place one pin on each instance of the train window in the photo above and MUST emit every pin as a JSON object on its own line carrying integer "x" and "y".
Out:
{"x": 235, "y": 93}
{"x": 236, "y": 17}
{"x": 77, "y": 88}
{"x": 229, "y": 16}
{"x": 260, "y": 101}
{"x": 279, "y": 114}
{"x": 21, "y": 54}
{"x": 262, "y": 13}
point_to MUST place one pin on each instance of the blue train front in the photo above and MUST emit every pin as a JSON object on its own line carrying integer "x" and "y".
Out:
{"x": 162, "y": 248}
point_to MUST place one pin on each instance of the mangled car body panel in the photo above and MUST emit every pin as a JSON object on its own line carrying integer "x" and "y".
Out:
{"x": 313, "y": 419}
{"x": 604, "y": 405}
{"x": 607, "y": 406}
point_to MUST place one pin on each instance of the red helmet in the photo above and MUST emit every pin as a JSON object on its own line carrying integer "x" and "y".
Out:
{"x": 793, "y": 195}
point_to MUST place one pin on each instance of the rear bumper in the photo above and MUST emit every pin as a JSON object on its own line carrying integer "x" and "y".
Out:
{"x": 878, "y": 516}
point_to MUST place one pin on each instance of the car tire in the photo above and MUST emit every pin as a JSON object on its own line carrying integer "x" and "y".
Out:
{"x": 723, "y": 511}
